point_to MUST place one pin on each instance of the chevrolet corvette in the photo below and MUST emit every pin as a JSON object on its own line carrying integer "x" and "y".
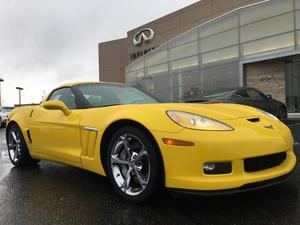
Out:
{"x": 144, "y": 146}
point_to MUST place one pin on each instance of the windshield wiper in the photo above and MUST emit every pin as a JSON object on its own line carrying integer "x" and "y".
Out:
{"x": 110, "y": 105}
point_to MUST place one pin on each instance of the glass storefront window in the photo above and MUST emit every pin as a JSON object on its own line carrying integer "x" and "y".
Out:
{"x": 191, "y": 91}
{"x": 297, "y": 19}
{"x": 184, "y": 51}
{"x": 185, "y": 38}
{"x": 156, "y": 58}
{"x": 156, "y": 69}
{"x": 159, "y": 86}
{"x": 175, "y": 94}
{"x": 184, "y": 63}
{"x": 269, "y": 9}
{"x": 221, "y": 40}
{"x": 277, "y": 44}
{"x": 292, "y": 82}
{"x": 220, "y": 55}
{"x": 297, "y": 4}
{"x": 191, "y": 78}
{"x": 186, "y": 78}
{"x": 298, "y": 39}
{"x": 136, "y": 65}
{"x": 219, "y": 26}
{"x": 273, "y": 26}
{"x": 132, "y": 76}
{"x": 225, "y": 75}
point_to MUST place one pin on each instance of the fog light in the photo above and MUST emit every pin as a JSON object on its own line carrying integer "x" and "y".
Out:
{"x": 209, "y": 167}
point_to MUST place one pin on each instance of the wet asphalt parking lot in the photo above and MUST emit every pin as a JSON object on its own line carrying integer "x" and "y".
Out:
{"x": 56, "y": 194}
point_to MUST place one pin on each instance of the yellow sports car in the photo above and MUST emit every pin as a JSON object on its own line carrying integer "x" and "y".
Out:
{"x": 142, "y": 145}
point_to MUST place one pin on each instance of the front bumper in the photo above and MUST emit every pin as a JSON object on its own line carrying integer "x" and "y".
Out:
{"x": 184, "y": 165}
{"x": 244, "y": 188}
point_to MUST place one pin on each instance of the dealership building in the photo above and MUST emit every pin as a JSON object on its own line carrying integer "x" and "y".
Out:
{"x": 210, "y": 45}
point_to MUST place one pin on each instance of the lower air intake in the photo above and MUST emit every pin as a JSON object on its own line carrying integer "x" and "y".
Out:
{"x": 264, "y": 162}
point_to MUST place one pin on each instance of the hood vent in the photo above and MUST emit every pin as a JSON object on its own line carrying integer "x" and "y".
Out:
{"x": 254, "y": 120}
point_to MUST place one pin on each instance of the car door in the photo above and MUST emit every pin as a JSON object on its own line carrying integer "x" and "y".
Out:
{"x": 54, "y": 135}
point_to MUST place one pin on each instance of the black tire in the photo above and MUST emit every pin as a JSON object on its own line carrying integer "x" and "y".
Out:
{"x": 150, "y": 162}
{"x": 15, "y": 137}
{"x": 282, "y": 114}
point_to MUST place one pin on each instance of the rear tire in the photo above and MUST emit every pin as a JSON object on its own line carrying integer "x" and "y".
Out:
{"x": 17, "y": 149}
{"x": 132, "y": 165}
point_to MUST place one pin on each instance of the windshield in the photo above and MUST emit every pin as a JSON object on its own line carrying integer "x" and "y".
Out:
{"x": 99, "y": 95}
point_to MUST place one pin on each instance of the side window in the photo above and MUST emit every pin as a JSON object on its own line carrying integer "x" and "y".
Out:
{"x": 256, "y": 95}
{"x": 65, "y": 95}
{"x": 242, "y": 93}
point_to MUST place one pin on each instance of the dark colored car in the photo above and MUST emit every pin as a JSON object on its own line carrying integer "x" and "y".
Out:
{"x": 245, "y": 96}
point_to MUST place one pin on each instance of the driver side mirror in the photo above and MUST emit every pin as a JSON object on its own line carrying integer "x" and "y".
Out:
{"x": 269, "y": 97}
{"x": 56, "y": 105}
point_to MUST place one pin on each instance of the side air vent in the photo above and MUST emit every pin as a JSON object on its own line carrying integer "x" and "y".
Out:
{"x": 254, "y": 120}
{"x": 29, "y": 136}
{"x": 31, "y": 113}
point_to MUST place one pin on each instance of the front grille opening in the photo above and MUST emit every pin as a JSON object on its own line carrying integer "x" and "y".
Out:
{"x": 254, "y": 120}
{"x": 264, "y": 162}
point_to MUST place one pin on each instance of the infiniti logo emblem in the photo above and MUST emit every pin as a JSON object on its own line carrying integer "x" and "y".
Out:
{"x": 265, "y": 78}
{"x": 145, "y": 35}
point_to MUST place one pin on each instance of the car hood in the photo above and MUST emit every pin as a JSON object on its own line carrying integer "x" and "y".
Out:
{"x": 216, "y": 111}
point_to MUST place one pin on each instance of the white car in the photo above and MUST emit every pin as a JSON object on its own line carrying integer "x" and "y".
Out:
{"x": 3, "y": 117}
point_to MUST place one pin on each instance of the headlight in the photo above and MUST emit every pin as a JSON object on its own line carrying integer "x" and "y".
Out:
{"x": 268, "y": 114}
{"x": 192, "y": 121}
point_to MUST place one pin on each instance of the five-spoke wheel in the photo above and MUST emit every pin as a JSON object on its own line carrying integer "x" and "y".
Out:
{"x": 14, "y": 145}
{"x": 17, "y": 148}
{"x": 132, "y": 164}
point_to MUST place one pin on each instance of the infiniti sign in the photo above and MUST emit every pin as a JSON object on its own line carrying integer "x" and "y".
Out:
{"x": 145, "y": 35}
{"x": 265, "y": 78}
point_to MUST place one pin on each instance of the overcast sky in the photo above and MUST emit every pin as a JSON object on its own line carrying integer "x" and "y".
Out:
{"x": 45, "y": 43}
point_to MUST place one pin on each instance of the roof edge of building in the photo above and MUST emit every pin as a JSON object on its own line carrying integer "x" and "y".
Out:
{"x": 113, "y": 41}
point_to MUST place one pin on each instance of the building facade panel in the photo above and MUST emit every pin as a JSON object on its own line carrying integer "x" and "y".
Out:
{"x": 112, "y": 60}
{"x": 212, "y": 56}
{"x": 297, "y": 4}
{"x": 210, "y": 45}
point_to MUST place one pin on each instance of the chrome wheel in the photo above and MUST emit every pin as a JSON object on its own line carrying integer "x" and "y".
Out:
{"x": 130, "y": 164}
{"x": 14, "y": 145}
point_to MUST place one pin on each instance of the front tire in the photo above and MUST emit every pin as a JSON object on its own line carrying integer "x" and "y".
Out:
{"x": 132, "y": 165}
{"x": 17, "y": 148}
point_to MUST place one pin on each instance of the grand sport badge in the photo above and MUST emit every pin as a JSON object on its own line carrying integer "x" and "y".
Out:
{"x": 146, "y": 35}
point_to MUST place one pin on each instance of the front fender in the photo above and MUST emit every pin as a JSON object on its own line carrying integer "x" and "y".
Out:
{"x": 153, "y": 118}
{"x": 20, "y": 116}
